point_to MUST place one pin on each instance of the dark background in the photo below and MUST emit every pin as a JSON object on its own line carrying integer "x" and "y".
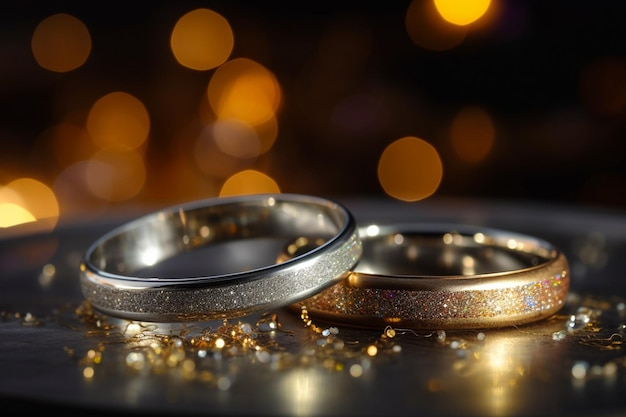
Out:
{"x": 525, "y": 69}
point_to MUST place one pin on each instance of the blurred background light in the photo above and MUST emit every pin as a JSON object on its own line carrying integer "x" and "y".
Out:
{"x": 462, "y": 12}
{"x": 12, "y": 214}
{"x": 116, "y": 174}
{"x": 61, "y": 43}
{"x": 249, "y": 182}
{"x": 210, "y": 157}
{"x": 118, "y": 120}
{"x": 26, "y": 200}
{"x": 236, "y": 138}
{"x": 472, "y": 134}
{"x": 428, "y": 30}
{"x": 202, "y": 39}
{"x": 159, "y": 105}
{"x": 244, "y": 90}
{"x": 410, "y": 169}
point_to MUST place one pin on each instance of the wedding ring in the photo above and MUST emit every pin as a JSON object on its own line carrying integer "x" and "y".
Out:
{"x": 442, "y": 276}
{"x": 142, "y": 269}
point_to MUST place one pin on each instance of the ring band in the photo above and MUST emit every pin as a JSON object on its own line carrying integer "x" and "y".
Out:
{"x": 437, "y": 276}
{"x": 116, "y": 269}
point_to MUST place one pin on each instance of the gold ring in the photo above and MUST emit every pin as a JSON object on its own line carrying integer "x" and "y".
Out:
{"x": 438, "y": 276}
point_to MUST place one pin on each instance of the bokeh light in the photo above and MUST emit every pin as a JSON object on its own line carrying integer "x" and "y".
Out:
{"x": 10, "y": 196}
{"x": 61, "y": 43}
{"x": 136, "y": 116}
{"x": 211, "y": 159}
{"x": 27, "y": 200}
{"x": 118, "y": 119}
{"x": 12, "y": 211}
{"x": 12, "y": 215}
{"x": 428, "y": 30}
{"x": 236, "y": 138}
{"x": 116, "y": 174}
{"x": 472, "y": 134}
{"x": 202, "y": 39}
{"x": 249, "y": 182}
{"x": 410, "y": 169}
{"x": 74, "y": 194}
{"x": 244, "y": 90}
{"x": 462, "y": 12}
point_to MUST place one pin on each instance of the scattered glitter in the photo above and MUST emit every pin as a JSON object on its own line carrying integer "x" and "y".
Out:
{"x": 215, "y": 356}
{"x": 135, "y": 360}
{"x": 263, "y": 356}
{"x": 224, "y": 383}
{"x": 610, "y": 369}
{"x": 356, "y": 370}
{"x": 88, "y": 372}
{"x": 441, "y": 335}
{"x": 579, "y": 369}
{"x": 47, "y": 275}
{"x": 390, "y": 332}
{"x": 30, "y": 320}
{"x": 372, "y": 350}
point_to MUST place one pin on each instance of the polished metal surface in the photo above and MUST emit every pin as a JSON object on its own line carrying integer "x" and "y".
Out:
{"x": 123, "y": 272}
{"x": 56, "y": 355}
{"x": 444, "y": 276}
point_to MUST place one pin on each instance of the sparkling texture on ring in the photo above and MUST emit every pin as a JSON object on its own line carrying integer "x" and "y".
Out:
{"x": 448, "y": 301}
{"x": 108, "y": 284}
{"x": 218, "y": 302}
{"x": 519, "y": 304}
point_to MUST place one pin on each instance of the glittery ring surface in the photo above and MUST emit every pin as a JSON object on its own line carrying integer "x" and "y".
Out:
{"x": 442, "y": 276}
{"x": 118, "y": 275}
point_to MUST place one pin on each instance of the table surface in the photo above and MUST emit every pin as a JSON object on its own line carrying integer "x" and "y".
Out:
{"x": 56, "y": 354}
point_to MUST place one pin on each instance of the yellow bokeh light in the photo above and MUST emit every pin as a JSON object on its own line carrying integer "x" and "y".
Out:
{"x": 27, "y": 200}
{"x": 236, "y": 139}
{"x": 9, "y": 195}
{"x": 410, "y": 169}
{"x": 244, "y": 90}
{"x": 74, "y": 194}
{"x": 462, "y": 12}
{"x": 267, "y": 133}
{"x": 61, "y": 43}
{"x": 428, "y": 30}
{"x": 38, "y": 198}
{"x": 249, "y": 181}
{"x": 116, "y": 175}
{"x": 472, "y": 134}
{"x": 118, "y": 119}
{"x": 211, "y": 160}
{"x": 202, "y": 39}
{"x": 13, "y": 214}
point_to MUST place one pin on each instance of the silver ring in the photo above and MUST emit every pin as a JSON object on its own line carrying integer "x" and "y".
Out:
{"x": 442, "y": 276}
{"x": 117, "y": 271}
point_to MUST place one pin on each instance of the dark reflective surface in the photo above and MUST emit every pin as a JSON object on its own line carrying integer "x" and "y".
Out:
{"x": 571, "y": 364}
